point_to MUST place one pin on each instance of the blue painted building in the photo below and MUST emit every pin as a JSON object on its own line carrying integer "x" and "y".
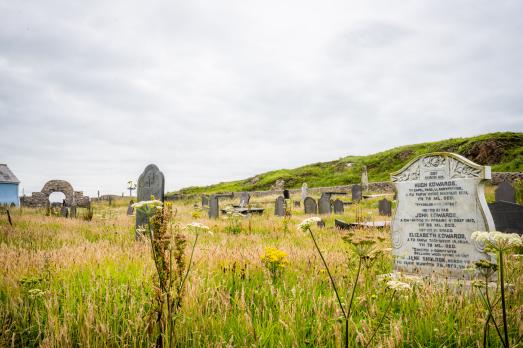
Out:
{"x": 8, "y": 186}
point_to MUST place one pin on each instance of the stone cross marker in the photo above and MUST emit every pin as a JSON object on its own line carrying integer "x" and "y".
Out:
{"x": 505, "y": 193}
{"x": 245, "y": 197}
{"x": 150, "y": 182}
{"x": 385, "y": 207}
{"x": 304, "y": 191}
{"x": 356, "y": 193}
{"x": 310, "y": 205}
{"x": 441, "y": 202}
{"x": 279, "y": 207}
{"x": 324, "y": 204}
{"x": 338, "y": 207}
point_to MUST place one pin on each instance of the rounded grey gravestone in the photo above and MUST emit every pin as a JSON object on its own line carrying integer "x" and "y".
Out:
{"x": 279, "y": 207}
{"x": 505, "y": 193}
{"x": 385, "y": 207}
{"x": 324, "y": 204}
{"x": 356, "y": 193}
{"x": 338, "y": 207}
{"x": 310, "y": 205}
{"x": 150, "y": 183}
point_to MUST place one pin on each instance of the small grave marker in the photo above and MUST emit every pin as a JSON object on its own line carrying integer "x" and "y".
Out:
{"x": 245, "y": 197}
{"x": 338, "y": 207}
{"x": 214, "y": 207}
{"x": 324, "y": 204}
{"x": 279, "y": 208}
{"x": 356, "y": 193}
{"x": 64, "y": 212}
{"x": 385, "y": 207}
{"x": 505, "y": 193}
{"x": 310, "y": 205}
{"x": 130, "y": 209}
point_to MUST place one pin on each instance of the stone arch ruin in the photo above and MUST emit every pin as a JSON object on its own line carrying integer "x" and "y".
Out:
{"x": 41, "y": 199}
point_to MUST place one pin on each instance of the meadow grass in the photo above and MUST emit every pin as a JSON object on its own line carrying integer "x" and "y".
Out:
{"x": 69, "y": 282}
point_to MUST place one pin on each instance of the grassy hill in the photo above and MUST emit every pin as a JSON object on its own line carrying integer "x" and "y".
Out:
{"x": 502, "y": 151}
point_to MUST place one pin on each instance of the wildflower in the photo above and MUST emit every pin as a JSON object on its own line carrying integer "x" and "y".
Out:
{"x": 498, "y": 240}
{"x": 306, "y": 224}
{"x": 398, "y": 286}
{"x": 274, "y": 260}
{"x": 197, "y": 227}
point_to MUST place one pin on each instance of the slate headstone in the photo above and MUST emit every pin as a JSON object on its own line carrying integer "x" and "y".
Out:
{"x": 324, "y": 204}
{"x": 245, "y": 197}
{"x": 440, "y": 204}
{"x": 205, "y": 200}
{"x": 150, "y": 183}
{"x": 356, "y": 193}
{"x": 304, "y": 191}
{"x": 508, "y": 217}
{"x": 279, "y": 207}
{"x": 385, "y": 207}
{"x": 286, "y": 194}
{"x": 310, "y": 205}
{"x": 505, "y": 193}
{"x": 338, "y": 206}
{"x": 214, "y": 207}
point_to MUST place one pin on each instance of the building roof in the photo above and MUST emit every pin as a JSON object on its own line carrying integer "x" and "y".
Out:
{"x": 7, "y": 176}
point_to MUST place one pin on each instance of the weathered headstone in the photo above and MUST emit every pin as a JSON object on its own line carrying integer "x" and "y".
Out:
{"x": 205, "y": 200}
{"x": 310, "y": 205}
{"x": 324, "y": 204}
{"x": 150, "y": 183}
{"x": 279, "y": 207}
{"x": 385, "y": 207}
{"x": 508, "y": 217}
{"x": 338, "y": 206}
{"x": 356, "y": 193}
{"x": 244, "y": 199}
{"x": 64, "y": 212}
{"x": 72, "y": 213}
{"x": 214, "y": 207}
{"x": 130, "y": 209}
{"x": 365, "y": 178}
{"x": 441, "y": 203}
{"x": 304, "y": 191}
{"x": 505, "y": 193}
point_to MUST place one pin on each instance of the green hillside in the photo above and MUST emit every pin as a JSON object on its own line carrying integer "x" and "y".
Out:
{"x": 502, "y": 151}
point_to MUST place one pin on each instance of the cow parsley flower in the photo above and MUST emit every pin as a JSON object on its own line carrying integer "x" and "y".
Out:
{"x": 306, "y": 224}
{"x": 398, "y": 286}
{"x": 197, "y": 227}
{"x": 498, "y": 240}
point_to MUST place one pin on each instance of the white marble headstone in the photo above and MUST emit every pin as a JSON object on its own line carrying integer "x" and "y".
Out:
{"x": 441, "y": 202}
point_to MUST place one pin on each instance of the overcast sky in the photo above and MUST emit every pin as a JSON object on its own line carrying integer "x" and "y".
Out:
{"x": 210, "y": 91}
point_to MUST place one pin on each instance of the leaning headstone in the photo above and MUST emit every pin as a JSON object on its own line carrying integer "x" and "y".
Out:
{"x": 508, "y": 217}
{"x": 64, "y": 212}
{"x": 310, "y": 205}
{"x": 244, "y": 199}
{"x": 279, "y": 207}
{"x": 150, "y": 183}
{"x": 441, "y": 202}
{"x": 505, "y": 193}
{"x": 338, "y": 206}
{"x": 385, "y": 207}
{"x": 214, "y": 207}
{"x": 304, "y": 191}
{"x": 205, "y": 200}
{"x": 356, "y": 193}
{"x": 130, "y": 209}
{"x": 324, "y": 204}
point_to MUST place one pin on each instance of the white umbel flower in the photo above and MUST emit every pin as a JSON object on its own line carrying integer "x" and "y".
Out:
{"x": 306, "y": 224}
{"x": 398, "y": 286}
{"x": 498, "y": 240}
{"x": 196, "y": 226}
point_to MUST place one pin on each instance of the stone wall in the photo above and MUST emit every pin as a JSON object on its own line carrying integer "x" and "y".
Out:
{"x": 41, "y": 199}
{"x": 499, "y": 177}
